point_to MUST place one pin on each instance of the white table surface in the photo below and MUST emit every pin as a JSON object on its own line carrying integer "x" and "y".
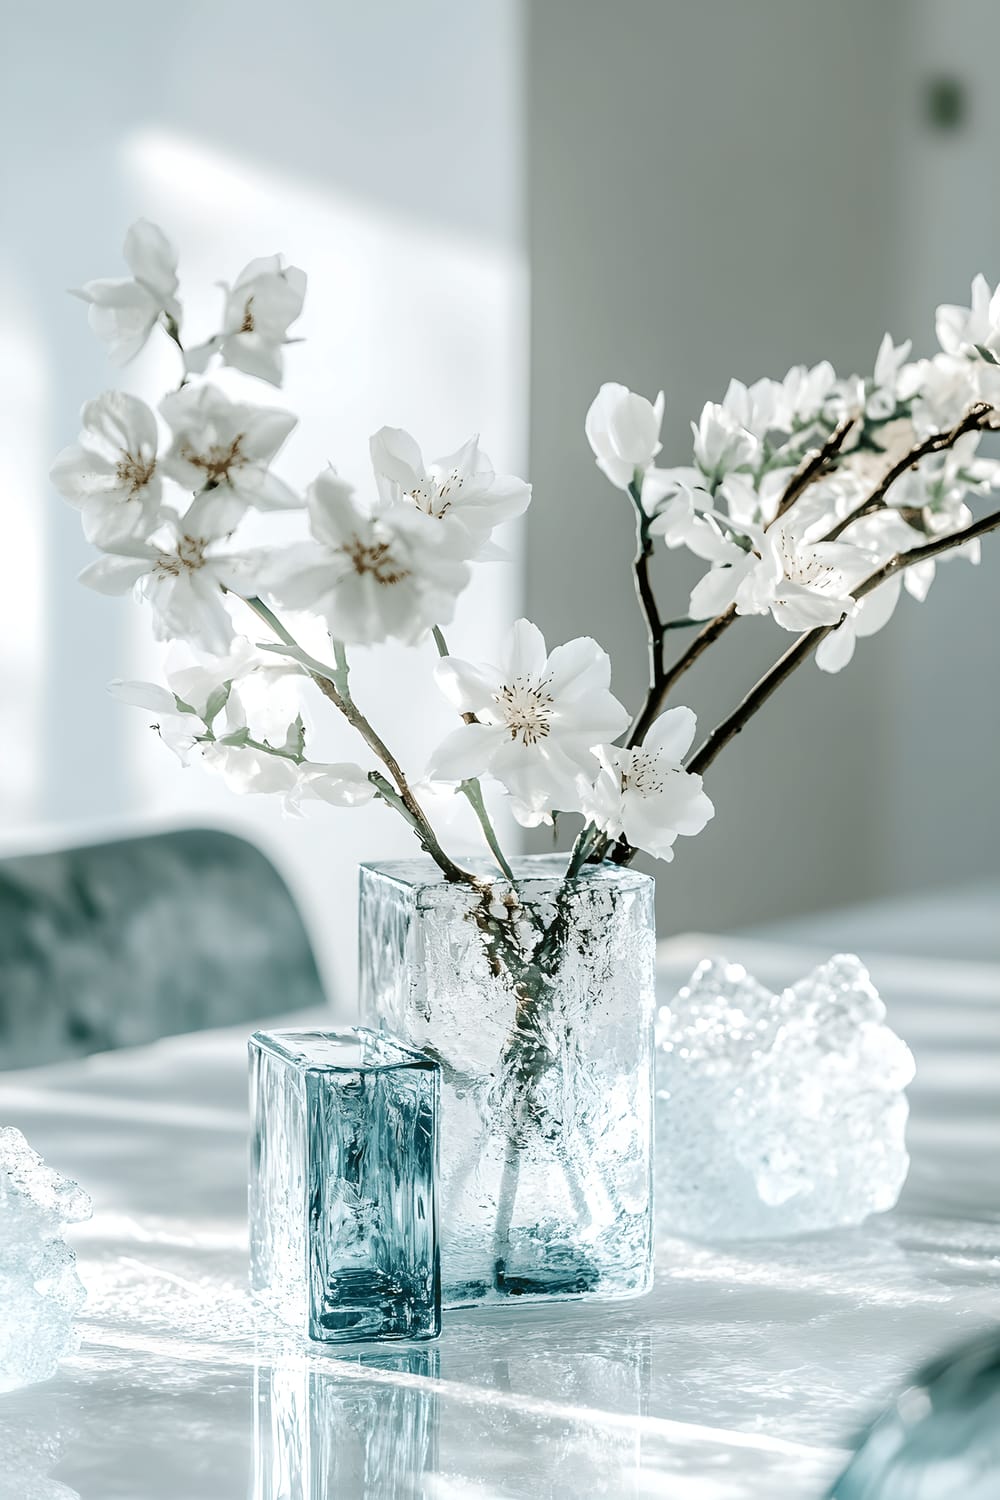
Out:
{"x": 743, "y": 1374}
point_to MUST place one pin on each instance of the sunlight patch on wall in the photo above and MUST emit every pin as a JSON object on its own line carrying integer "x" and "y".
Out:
{"x": 23, "y": 496}
{"x": 404, "y": 324}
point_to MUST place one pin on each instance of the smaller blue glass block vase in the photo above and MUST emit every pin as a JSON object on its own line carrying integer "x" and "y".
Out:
{"x": 343, "y": 1184}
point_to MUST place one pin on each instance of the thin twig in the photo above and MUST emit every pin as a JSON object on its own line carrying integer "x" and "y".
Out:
{"x": 814, "y": 466}
{"x": 471, "y": 788}
{"x": 332, "y": 683}
{"x": 662, "y": 680}
{"x": 973, "y": 421}
{"x": 807, "y": 643}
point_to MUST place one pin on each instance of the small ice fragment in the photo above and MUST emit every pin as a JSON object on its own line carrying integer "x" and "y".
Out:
{"x": 40, "y": 1291}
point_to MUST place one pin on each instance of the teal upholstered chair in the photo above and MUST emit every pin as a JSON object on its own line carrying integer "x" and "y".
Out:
{"x": 120, "y": 943}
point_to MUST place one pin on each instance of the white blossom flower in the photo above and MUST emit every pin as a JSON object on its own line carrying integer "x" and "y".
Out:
{"x": 182, "y": 572}
{"x": 806, "y": 393}
{"x": 538, "y": 718}
{"x": 111, "y": 474}
{"x": 263, "y": 301}
{"x": 970, "y": 330}
{"x": 801, "y": 582}
{"x": 226, "y": 447}
{"x": 124, "y": 312}
{"x": 760, "y": 408}
{"x": 211, "y": 699}
{"x": 462, "y": 489}
{"x": 645, "y": 793}
{"x": 681, "y": 519}
{"x": 623, "y": 429}
{"x": 721, "y": 443}
{"x": 371, "y": 574}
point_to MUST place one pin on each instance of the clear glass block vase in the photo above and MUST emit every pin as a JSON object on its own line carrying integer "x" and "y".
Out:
{"x": 537, "y": 1001}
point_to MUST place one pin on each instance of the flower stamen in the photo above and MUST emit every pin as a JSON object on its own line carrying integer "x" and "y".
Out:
{"x": 375, "y": 559}
{"x": 527, "y": 709}
{"x": 134, "y": 473}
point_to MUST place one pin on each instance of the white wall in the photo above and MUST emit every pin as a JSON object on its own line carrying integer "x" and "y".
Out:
{"x": 376, "y": 146}
{"x": 727, "y": 189}
{"x": 942, "y": 809}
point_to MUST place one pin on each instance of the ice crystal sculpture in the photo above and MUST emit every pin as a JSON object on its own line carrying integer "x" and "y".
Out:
{"x": 40, "y": 1291}
{"x": 777, "y": 1114}
{"x": 539, "y": 1007}
{"x": 941, "y": 1439}
{"x": 343, "y": 1184}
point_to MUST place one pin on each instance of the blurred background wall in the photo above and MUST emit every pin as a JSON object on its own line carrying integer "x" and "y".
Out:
{"x": 694, "y": 190}
{"x": 727, "y": 189}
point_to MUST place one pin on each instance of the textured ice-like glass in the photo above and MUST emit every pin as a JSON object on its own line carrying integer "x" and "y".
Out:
{"x": 343, "y": 1183}
{"x": 778, "y": 1114}
{"x": 538, "y": 1003}
{"x": 40, "y": 1291}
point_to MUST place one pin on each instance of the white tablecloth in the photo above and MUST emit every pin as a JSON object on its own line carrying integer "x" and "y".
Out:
{"x": 744, "y": 1374}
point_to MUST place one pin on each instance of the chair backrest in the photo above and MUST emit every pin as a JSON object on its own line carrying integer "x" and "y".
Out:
{"x": 121, "y": 943}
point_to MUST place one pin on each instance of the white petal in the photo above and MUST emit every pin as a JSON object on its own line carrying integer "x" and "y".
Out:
{"x": 151, "y": 258}
{"x": 259, "y": 488}
{"x": 254, "y": 355}
{"x": 467, "y": 687}
{"x": 342, "y": 784}
{"x": 76, "y": 473}
{"x": 334, "y": 515}
{"x": 577, "y": 668}
{"x": 714, "y": 593}
{"x": 671, "y": 734}
{"x": 804, "y": 609}
{"x": 877, "y": 607}
{"x": 123, "y": 422}
{"x": 143, "y": 695}
{"x": 396, "y": 454}
{"x": 114, "y": 575}
{"x": 525, "y": 652}
{"x": 266, "y": 428}
{"x": 835, "y": 651}
{"x": 466, "y": 752}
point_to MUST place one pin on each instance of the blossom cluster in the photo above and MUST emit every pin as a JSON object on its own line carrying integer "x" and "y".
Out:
{"x": 800, "y": 490}
{"x": 802, "y": 566}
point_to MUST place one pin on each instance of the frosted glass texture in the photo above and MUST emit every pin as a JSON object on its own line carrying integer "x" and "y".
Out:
{"x": 538, "y": 1004}
{"x": 343, "y": 1180}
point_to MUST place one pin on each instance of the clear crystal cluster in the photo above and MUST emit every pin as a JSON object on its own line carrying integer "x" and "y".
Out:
{"x": 777, "y": 1114}
{"x": 40, "y": 1291}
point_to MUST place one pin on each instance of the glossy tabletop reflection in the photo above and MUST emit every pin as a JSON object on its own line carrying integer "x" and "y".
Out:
{"x": 745, "y": 1373}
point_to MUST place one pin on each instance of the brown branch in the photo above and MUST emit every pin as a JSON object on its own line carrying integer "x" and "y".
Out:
{"x": 807, "y": 643}
{"x": 973, "y": 421}
{"x": 662, "y": 681}
{"x": 418, "y": 817}
{"x": 814, "y": 466}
